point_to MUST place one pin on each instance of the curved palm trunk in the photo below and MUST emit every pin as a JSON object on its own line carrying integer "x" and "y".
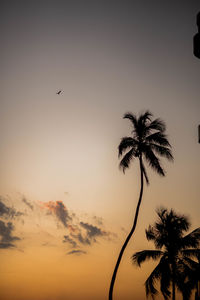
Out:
{"x": 129, "y": 235}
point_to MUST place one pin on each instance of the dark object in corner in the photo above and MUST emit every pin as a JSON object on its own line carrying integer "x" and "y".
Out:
{"x": 196, "y": 39}
{"x": 199, "y": 132}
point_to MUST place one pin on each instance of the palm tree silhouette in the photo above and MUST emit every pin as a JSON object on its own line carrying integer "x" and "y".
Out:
{"x": 175, "y": 263}
{"x": 147, "y": 141}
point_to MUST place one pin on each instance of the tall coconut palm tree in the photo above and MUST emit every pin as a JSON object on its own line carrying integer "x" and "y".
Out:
{"x": 175, "y": 251}
{"x": 147, "y": 143}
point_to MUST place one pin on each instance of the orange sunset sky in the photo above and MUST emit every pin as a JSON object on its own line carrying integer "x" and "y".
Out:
{"x": 65, "y": 207}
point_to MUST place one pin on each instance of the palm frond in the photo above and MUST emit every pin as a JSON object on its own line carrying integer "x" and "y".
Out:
{"x": 156, "y": 124}
{"x": 142, "y": 121}
{"x": 159, "y": 138}
{"x": 150, "y": 286}
{"x": 139, "y": 257}
{"x": 162, "y": 151}
{"x": 145, "y": 116}
{"x": 190, "y": 263}
{"x": 150, "y": 233}
{"x": 132, "y": 118}
{"x": 155, "y": 275}
{"x": 161, "y": 212}
{"x": 190, "y": 252}
{"x": 192, "y": 239}
{"x": 125, "y": 162}
{"x": 153, "y": 161}
{"x": 142, "y": 124}
{"x": 126, "y": 143}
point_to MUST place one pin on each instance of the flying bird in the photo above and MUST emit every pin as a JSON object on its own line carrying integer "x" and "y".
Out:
{"x": 58, "y": 93}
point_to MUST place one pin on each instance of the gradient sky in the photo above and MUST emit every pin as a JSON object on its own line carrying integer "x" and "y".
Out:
{"x": 59, "y": 165}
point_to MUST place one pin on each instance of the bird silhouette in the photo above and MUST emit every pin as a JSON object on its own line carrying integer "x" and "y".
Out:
{"x": 58, "y": 93}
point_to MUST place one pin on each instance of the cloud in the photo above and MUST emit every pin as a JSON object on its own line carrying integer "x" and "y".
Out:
{"x": 6, "y": 235}
{"x": 77, "y": 252}
{"x": 86, "y": 234}
{"x": 92, "y": 231}
{"x": 79, "y": 233}
{"x": 8, "y": 212}
{"x": 4, "y": 210}
{"x": 83, "y": 240}
{"x": 69, "y": 240}
{"x": 59, "y": 210}
{"x": 27, "y": 203}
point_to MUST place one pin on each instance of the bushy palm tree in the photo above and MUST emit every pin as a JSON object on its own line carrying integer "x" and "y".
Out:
{"x": 147, "y": 143}
{"x": 175, "y": 251}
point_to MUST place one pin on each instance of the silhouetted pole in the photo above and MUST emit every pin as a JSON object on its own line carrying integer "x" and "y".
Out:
{"x": 196, "y": 39}
{"x": 199, "y": 132}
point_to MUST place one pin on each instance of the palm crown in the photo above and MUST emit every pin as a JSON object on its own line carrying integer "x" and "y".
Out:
{"x": 176, "y": 261}
{"x": 148, "y": 140}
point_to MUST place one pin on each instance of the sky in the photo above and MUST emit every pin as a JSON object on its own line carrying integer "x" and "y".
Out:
{"x": 65, "y": 207}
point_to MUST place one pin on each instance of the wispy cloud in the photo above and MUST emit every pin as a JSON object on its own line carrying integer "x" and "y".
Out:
{"x": 79, "y": 233}
{"x": 8, "y": 212}
{"x": 85, "y": 235}
{"x": 6, "y": 228}
{"x": 93, "y": 231}
{"x": 27, "y": 203}
{"x": 82, "y": 239}
{"x": 59, "y": 210}
{"x": 77, "y": 252}
{"x": 6, "y": 235}
{"x": 69, "y": 240}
